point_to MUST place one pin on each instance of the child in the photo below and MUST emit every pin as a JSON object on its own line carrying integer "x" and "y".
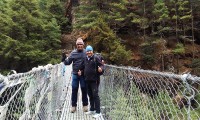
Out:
{"x": 92, "y": 67}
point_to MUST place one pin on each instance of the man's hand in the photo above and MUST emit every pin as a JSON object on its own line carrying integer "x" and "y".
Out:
{"x": 65, "y": 53}
{"x": 103, "y": 62}
{"x": 79, "y": 73}
{"x": 99, "y": 69}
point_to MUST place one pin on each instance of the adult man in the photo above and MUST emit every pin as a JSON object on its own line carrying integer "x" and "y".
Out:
{"x": 92, "y": 67}
{"x": 77, "y": 57}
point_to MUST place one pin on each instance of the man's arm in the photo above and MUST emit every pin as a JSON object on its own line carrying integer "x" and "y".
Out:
{"x": 67, "y": 60}
{"x": 81, "y": 68}
{"x": 63, "y": 57}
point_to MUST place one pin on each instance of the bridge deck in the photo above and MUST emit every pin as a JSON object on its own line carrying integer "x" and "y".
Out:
{"x": 79, "y": 114}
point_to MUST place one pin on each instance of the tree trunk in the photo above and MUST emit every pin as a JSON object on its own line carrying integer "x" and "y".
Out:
{"x": 144, "y": 32}
{"x": 193, "y": 48}
{"x": 176, "y": 12}
{"x": 68, "y": 10}
{"x": 163, "y": 64}
{"x": 177, "y": 64}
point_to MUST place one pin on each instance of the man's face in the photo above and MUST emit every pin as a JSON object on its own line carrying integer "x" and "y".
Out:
{"x": 89, "y": 53}
{"x": 79, "y": 46}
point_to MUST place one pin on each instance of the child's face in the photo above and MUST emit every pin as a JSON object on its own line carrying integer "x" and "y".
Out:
{"x": 89, "y": 53}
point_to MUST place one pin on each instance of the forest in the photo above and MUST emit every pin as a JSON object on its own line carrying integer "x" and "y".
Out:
{"x": 161, "y": 35}
{"x": 30, "y": 33}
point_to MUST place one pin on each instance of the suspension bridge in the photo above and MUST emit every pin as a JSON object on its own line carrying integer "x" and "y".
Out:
{"x": 126, "y": 93}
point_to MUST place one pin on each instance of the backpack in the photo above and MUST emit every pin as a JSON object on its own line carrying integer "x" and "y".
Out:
{"x": 98, "y": 56}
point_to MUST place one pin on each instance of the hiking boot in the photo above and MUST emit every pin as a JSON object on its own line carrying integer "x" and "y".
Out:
{"x": 90, "y": 113}
{"x": 85, "y": 108}
{"x": 73, "y": 109}
{"x": 97, "y": 115}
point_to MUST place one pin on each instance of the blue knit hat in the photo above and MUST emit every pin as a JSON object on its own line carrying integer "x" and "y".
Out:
{"x": 89, "y": 48}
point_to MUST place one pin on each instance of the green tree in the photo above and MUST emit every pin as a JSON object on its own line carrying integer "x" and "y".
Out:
{"x": 185, "y": 15}
{"x": 161, "y": 14}
{"x": 30, "y": 36}
{"x": 177, "y": 51}
{"x": 55, "y": 9}
{"x": 148, "y": 57}
{"x": 195, "y": 65}
{"x": 90, "y": 18}
{"x": 117, "y": 16}
{"x": 142, "y": 15}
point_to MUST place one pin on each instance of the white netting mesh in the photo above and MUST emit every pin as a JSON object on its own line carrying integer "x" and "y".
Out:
{"x": 125, "y": 93}
{"x": 136, "y": 94}
{"x": 38, "y": 94}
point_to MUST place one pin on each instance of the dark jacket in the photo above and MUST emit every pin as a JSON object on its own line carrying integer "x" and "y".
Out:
{"x": 76, "y": 57}
{"x": 90, "y": 68}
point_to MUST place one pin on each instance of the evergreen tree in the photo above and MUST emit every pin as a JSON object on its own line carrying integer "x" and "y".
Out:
{"x": 117, "y": 15}
{"x": 32, "y": 37}
{"x": 161, "y": 14}
{"x": 55, "y": 9}
{"x": 142, "y": 15}
{"x": 185, "y": 15}
{"x": 90, "y": 18}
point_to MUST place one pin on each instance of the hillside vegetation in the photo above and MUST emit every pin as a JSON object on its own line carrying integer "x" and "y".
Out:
{"x": 30, "y": 33}
{"x": 152, "y": 34}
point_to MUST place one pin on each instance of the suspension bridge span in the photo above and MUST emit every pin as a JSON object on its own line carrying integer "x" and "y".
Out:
{"x": 126, "y": 93}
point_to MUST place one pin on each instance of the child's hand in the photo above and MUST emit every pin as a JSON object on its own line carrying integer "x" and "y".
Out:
{"x": 79, "y": 73}
{"x": 99, "y": 69}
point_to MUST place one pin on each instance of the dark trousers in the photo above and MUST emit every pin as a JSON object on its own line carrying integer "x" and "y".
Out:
{"x": 92, "y": 88}
{"x": 75, "y": 85}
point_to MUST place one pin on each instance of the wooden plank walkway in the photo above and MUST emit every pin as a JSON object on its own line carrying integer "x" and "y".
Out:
{"x": 79, "y": 114}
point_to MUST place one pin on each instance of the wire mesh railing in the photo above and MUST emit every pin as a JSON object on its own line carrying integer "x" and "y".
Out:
{"x": 126, "y": 94}
{"x": 38, "y": 94}
{"x": 134, "y": 94}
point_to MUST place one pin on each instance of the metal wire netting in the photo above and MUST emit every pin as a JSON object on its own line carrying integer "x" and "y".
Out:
{"x": 126, "y": 94}
{"x": 135, "y": 94}
{"x": 38, "y": 94}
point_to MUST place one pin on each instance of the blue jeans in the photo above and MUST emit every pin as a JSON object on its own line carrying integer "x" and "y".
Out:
{"x": 75, "y": 85}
